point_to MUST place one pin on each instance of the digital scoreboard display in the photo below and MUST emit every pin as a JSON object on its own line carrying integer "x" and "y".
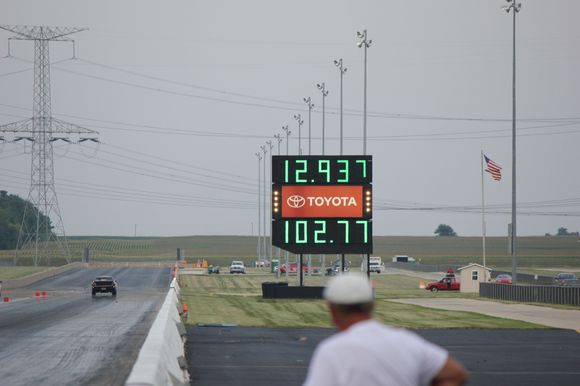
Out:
{"x": 322, "y": 204}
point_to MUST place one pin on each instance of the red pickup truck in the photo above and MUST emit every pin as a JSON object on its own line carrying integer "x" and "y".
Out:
{"x": 448, "y": 283}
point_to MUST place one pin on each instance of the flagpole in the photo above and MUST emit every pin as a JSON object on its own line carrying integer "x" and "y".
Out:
{"x": 483, "y": 216}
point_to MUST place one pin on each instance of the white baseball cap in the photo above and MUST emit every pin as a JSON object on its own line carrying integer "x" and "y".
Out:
{"x": 349, "y": 288}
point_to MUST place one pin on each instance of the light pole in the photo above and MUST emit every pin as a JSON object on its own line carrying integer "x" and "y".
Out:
{"x": 298, "y": 118}
{"x": 270, "y": 146}
{"x": 278, "y": 140}
{"x": 516, "y": 8}
{"x": 342, "y": 69}
{"x": 264, "y": 151}
{"x": 322, "y": 88}
{"x": 308, "y": 102}
{"x": 363, "y": 42}
{"x": 288, "y": 132}
{"x": 259, "y": 247}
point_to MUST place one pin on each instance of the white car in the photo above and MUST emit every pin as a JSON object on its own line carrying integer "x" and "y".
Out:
{"x": 374, "y": 266}
{"x": 237, "y": 267}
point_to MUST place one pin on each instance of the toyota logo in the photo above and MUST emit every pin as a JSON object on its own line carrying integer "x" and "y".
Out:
{"x": 296, "y": 201}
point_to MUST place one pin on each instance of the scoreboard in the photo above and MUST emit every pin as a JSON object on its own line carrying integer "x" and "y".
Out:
{"x": 322, "y": 204}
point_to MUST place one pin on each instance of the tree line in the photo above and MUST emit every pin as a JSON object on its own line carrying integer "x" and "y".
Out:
{"x": 11, "y": 216}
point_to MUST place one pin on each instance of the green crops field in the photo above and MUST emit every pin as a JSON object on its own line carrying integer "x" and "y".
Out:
{"x": 540, "y": 254}
{"x": 237, "y": 299}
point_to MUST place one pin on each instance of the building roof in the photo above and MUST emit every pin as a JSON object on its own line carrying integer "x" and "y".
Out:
{"x": 470, "y": 265}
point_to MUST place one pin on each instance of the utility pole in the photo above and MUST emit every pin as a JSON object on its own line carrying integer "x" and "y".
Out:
{"x": 38, "y": 235}
{"x": 516, "y": 8}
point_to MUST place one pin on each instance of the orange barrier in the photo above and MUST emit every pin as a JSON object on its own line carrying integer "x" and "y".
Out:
{"x": 422, "y": 284}
{"x": 6, "y": 299}
{"x": 184, "y": 315}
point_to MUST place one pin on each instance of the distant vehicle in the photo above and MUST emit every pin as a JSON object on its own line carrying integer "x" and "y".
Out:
{"x": 403, "y": 259}
{"x": 375, "y": 264}
{"x": 104, "y": 284}
{"x": 262, "y": 263}
{"x": 237, "y": 266}
{"x": 447, "y": 283}
{"x": 504, "y": 278}
{"x": 566, "y": 279}
{"x": 293, "y": 268}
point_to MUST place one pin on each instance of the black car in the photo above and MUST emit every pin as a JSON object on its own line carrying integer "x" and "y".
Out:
{"x": 104, "y": 284}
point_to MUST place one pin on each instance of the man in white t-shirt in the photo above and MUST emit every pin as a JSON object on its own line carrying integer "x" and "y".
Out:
{"x": 366, "y": 353}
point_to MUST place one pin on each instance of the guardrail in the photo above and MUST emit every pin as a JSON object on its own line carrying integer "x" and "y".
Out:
{"x": 531, "y": 294}
{"x": 161, "y": 361}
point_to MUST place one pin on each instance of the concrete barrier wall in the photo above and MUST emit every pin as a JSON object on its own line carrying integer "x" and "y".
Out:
{"x": 161, "y": 361}
{"x": 132, "y": 264}
{"x": 28, "y": 280}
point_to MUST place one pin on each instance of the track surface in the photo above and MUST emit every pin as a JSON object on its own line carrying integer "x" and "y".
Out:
{"x": 279, "y": 356}
{"x": 73, "y": 339}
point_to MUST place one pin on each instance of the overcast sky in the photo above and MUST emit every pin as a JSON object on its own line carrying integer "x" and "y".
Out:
{"x": 184, "y": 93}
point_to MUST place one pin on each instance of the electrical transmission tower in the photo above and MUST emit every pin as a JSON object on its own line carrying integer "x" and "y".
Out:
{"x": 39, "y": 237}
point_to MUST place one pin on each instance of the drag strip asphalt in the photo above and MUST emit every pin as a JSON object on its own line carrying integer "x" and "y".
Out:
{"x": 70, "y": 338}
{"x": 222, "y": 356}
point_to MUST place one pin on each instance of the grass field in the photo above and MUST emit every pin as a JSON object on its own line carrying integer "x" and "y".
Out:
{"x": 534, "y": 253}
{"x": 237, "y": 299}
{"x": 7, "y": 273}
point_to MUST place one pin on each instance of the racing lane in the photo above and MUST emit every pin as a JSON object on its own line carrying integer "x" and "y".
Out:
{"x": 72, "y": 338}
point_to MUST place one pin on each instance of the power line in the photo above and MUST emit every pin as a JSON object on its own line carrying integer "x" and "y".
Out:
{"x": 184, "y": 164}
{"x": 291, "y": 106}
{"x": 479, "y": 134}
{"x": 173, "y": 168}
{"x": 135, "y": 195}
{"x": 166, "y": 177}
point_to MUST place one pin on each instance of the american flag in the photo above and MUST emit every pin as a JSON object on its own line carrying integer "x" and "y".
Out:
{"x": 493, "y": 169}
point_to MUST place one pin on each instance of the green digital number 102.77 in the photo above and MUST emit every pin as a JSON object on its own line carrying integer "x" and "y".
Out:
{"x": 315, "y": 232}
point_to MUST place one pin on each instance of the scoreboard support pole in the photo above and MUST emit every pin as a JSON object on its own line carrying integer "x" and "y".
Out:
{"x": 369, "y": 265}
{"x": 301, "y": 271}
{"x": 342, "y": 263}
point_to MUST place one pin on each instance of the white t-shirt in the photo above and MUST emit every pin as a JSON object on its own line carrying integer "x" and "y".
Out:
{"x": 370, "y": 353}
